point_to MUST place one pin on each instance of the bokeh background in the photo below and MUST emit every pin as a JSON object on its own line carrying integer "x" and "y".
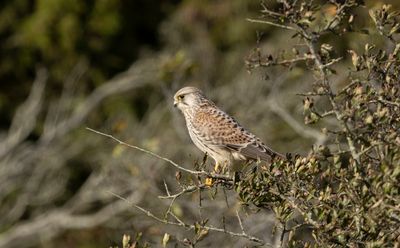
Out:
{"x": 114, "y": 66}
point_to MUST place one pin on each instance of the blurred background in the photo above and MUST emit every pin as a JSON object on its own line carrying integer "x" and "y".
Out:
{"x": 114, "y": 66}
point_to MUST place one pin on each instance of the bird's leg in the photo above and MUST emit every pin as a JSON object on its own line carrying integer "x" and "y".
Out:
{"x": 217, "y": 169}
{"x": 224, "y": 168}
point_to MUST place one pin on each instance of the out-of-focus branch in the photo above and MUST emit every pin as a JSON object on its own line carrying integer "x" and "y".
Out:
{"x": 138, "y": 76}
{"x": 25, "y": 117}
{"x": 50, "y": 224}
{"x": 30, "y": 170}
{"x": 302, "y": 130}
{"x": 61, "y": 109}
{"x": 296, "y": 126}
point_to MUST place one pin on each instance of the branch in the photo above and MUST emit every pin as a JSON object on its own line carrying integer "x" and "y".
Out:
{"x": 389, "y": 102}
{"x": 270, "y": 12}
{"x": 310, "y": 42}
{"x": 284, "y": 62}
{"x": 272, "y": 24}
{"x": 32, "y": 171}
{"x": 333, "y": 61}
{"x": 296, "y": 126}
{"x": 240, "y": 221}
{"x": 25, "y": 117}
{"x": 189, "y": 189}
{"x": 190, "y": 226}
{"x": 338, "y": 16}
{"x": 137, "y": 76}
{"x": 193, "y": 172}
{"x": 51, "y": 223}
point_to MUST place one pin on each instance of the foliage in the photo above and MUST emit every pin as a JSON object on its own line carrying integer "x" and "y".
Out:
{"x": 347, "y": 190}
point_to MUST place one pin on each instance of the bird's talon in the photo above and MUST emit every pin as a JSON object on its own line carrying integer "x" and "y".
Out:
{"x": 209, "y": 182}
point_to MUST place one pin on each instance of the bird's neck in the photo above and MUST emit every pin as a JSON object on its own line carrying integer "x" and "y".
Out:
{"x": 190, "y": 113}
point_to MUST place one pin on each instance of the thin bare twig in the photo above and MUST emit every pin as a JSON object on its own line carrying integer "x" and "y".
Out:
{"x": 240, "y": 221}
{"x": 190, "y": 226}
{"x": 333, "y": 61}
{"x": 285, "y": 62}
{"x": 338, "y": 16}
{"x": 189, "y": 189}
{"x": 272, "y": 24}
{"x": 270, "y": 12}
{"x": 193, "y": 172}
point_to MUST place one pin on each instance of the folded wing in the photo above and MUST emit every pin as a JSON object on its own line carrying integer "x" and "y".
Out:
{"x": 255, "y": 151}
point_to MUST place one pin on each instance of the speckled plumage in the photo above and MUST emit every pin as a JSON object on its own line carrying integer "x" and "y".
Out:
{"x": 216, "y": 133}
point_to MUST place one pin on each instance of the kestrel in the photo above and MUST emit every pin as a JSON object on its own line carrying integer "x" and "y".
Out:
{"x": 218, "y": 134}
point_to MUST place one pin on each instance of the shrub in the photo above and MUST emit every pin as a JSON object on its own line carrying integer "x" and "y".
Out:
{"x": 346, "y": 190}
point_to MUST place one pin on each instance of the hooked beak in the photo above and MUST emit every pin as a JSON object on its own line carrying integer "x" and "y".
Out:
{"x": 175, "y": 103}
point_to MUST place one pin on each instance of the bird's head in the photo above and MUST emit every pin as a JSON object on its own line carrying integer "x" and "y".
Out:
{"x": 188, "y": 98}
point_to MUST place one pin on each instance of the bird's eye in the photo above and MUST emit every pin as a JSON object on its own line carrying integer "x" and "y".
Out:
{"x": 180, "y": 97}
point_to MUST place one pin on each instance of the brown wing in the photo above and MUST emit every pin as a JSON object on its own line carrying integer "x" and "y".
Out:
{"x": 255, "y": 151}
{"x": 224, "y": 131}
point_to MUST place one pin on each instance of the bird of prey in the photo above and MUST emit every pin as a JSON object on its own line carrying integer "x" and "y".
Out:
{"x": 218, "y": 134}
